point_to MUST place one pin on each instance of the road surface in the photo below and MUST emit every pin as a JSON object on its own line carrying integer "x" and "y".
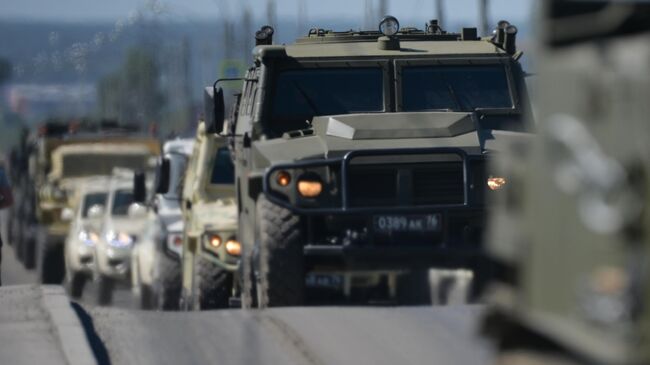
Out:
{"x": 312, "y": 335}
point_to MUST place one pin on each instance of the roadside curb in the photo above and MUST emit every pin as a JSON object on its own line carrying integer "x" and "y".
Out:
{"x": 67, "y": 326}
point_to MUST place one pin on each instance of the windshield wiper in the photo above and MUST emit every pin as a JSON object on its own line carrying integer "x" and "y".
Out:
{"x": 311, "y": 104}
{"x": 454, "y": 97}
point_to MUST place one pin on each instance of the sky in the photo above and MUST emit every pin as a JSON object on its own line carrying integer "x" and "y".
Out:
{"x": 456, "y": 11}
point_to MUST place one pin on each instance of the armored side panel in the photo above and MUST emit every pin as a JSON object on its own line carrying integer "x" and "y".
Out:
{"x": 572, "y": 241}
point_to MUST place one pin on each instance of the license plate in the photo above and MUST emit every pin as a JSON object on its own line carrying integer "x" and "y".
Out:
{"x": 388, "y": 224}
{"x": 331, "y": 281}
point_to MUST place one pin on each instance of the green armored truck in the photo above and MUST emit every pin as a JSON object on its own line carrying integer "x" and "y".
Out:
{"x": 571, "y": 242}
{"x": 210, "y": 254}
{"x": 363, "y": 152}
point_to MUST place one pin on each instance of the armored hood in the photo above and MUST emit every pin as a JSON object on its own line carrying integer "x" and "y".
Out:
{"x": 334, "y": 136}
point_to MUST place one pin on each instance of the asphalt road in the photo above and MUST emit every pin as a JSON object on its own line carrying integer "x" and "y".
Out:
{"x": 313, "y": 335}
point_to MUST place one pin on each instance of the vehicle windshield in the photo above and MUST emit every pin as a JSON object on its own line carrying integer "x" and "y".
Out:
{"x": 177, "y": 164}
{"x": 92, "y": 199}
{"x": 462, "y": 88}
{"x": 80, "y": 165}
{"x": 121, "y": 202}
{"x": 300, "y": 95}
{"x": 223, "y": 171}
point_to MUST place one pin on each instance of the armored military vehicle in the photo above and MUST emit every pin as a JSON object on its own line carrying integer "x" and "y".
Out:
{"x": 156, "y": 260}
{"x": 211, "y": 250}
{"x": 364, "y": 152}
{"x": 571, "y": 241}
{"x": 60, "y": 161}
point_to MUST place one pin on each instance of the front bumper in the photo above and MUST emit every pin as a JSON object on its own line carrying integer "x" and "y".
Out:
{"x": 113, "y": 262}
{"x": 81, "y": 257}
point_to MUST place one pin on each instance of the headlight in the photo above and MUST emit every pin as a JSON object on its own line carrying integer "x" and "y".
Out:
{"x": 88, "y": 238}
{"x": 309, "y": 188}
{"x": 283, "y": 178}
{"x": 120, "y": 239}
{"x": 174, "y": 240}
{"x": 233, "y": 247}
{"x": 496, "y": 183}
{"x": 389, "y": 26}
{"x": 213, "y": 241}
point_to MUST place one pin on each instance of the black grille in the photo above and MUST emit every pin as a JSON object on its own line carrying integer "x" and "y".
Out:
{"x": 441, "y": 183}
{"x": 432, "y": 183}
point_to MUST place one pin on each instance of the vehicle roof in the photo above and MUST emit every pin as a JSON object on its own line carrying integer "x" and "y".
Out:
{"x": 409, "y": 49}
{"x": 102, "y": 148}
{"x": 180, "y": 145}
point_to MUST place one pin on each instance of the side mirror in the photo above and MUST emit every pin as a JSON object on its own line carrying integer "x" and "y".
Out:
{"x": 96, "y": 211}
{"x": 139, "y": 187}
{"x": 162, "y": 183}
{"x": 215, "y": 109}
{"x": 137, "y": 210}
{"x": 67, "y": 214}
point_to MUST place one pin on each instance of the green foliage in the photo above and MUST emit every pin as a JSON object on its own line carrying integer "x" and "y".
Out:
{"x": 132, "y": 93}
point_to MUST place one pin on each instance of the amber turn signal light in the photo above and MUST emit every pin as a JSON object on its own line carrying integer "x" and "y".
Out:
{"x": 215, "y": 241}
{"x": 283, "y": 178}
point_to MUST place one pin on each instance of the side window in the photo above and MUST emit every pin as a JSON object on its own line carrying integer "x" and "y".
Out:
{"x": 223, "y": 171}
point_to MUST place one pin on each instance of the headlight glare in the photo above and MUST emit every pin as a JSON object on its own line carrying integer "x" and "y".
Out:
{"x": 233, "y": 247}
{"x": 214, "y": 241}
{"x": 119, "y": 239}
{"x": 309, "y": 188}
{"x": 87, "y": 237}
{"x": 283, "y": 178}
{"x": 496, "y": 183}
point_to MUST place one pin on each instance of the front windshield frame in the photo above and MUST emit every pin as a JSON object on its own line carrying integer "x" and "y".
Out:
{"x": 400, "y": 64}
{"x": 383, "y": 64}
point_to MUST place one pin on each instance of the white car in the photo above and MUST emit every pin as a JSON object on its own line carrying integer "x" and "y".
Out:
{"x": 123, "y": 222}
{"x": 156, "y": 265}
{"x": 83, "y": 235}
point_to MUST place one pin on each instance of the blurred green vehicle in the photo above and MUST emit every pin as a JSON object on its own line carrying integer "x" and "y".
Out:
{"x": 363, "y": 153}
{"x": 570, "y": 234}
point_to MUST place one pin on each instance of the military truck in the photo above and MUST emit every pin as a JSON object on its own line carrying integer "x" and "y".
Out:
{"x": 210, "y": 255}
{"x": 364, "y": 152}
{"x": 59, "y": 163}
{"x": 156, "y": 260}
{"x": 571, "y": 241}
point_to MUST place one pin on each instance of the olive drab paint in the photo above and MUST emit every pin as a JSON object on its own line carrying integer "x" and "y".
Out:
{"x": 571, "y": 236}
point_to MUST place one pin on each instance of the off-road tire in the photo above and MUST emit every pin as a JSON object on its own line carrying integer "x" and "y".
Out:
{"x": 280, "y": 272}
{"x": 50, "y": 261}
{"x": 168, "y": 284}
{"x": 146, "y": 297}
{"x": 105, "y": 287}
{"x": 76, "y": 284}
{"x": 28, "y": 246}
{"x": 212, "y": 285}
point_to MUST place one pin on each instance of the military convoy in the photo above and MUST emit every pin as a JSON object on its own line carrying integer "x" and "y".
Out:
{"x": 363, "y": 154}
{"x": 570, "y": 235}
{"x": 60, "y": 159}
